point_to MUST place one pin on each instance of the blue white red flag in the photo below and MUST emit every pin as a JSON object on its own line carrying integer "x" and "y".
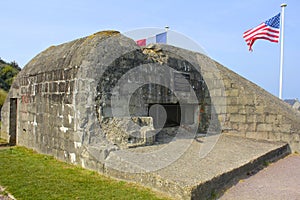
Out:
{"x": 268, "y": 30}
{"x": 159, "y": 38}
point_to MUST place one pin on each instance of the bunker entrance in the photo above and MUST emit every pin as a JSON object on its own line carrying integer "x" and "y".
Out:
{"x": 168, "y": 117}
{"x": 13, "y": 122}
{"x": 165, "y": 115}
{"x": 171, "y": 115}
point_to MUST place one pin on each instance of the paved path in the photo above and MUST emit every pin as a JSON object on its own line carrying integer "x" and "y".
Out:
{"x": 280, "y": 180}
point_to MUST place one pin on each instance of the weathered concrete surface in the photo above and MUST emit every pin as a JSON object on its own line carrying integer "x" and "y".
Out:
{"x": 62, "y": 95}
{"x": 254, "y": 113}
{"x": 280, "y": 180}
{"x": 64, "y": 99}
{"x": 192, "y": 177}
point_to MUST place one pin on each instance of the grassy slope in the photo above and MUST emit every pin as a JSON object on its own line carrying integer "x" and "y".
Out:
{"x": 28, "y": 175}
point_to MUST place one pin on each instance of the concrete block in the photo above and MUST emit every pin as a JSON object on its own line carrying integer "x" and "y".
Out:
{"x": 260, "y": 118}
{"x": 247, "y": 100}
{"x": 286, "y": 137}
{"x": 217, "y": 101}
{"x": 253, "y": 135}
{"x": 282, "y": 128}
{"x": 232, "y": 92}
{"x": 257, "y": 135}
{"x": 54, "y": 87}
{"x": 232, "y": 109}
{"x": 259, "y": 109}
{"x": 296, "y": 137}
{"x": 271, "y": 119}
{"x": 294, "y": 146}
{"x": 263, "y": 135}
{"x": 286, "y": 127}
{"x": 235, "y": 126}
{"x": 250, "y": 118}
{"x": 238, "y": 118}
{"x": 242, "y": 110}
{"x": 250, "y": 127}
{"x": 61, "y": 87}
{"x": 250, "y": 109}
{"x": 264, "y": 127}
{"x": 232, "y": 101}
{"x": 274, "y": 136}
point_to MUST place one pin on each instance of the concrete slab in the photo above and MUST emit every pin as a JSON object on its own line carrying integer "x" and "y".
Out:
{"x": 191, "y": 176}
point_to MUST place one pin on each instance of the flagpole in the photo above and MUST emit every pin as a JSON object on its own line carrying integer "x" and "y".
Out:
{"x": 281, "y": 49}
{"x": 166, "y": 29}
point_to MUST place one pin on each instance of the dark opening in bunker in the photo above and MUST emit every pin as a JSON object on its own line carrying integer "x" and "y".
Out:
{"x": 169, "y": 117}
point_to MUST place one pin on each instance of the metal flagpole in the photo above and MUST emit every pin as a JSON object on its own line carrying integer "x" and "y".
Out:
{"x": 166, "y": 29}
{"x": 281, "y": 49}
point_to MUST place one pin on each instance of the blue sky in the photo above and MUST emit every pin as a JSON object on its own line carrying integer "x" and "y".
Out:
{"x": 28, "y": 27}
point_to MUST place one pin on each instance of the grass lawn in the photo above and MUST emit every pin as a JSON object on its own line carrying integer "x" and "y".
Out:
{"x": 2, "y": 141}
{"x": 28, "y": 175}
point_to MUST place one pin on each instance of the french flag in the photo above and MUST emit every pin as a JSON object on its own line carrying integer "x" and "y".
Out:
{"x": 159, "y": 38}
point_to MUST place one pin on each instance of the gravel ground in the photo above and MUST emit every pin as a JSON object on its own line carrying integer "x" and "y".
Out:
{"x": 279, "y": 181}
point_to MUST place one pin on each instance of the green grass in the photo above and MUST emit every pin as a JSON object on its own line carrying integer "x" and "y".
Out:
{"x": 2, "y": 141}
{"x": 266, "y": 163}
{"x": 28, "y": 175}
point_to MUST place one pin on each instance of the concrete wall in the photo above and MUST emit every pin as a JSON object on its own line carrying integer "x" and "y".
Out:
{"x": 254, "y": 113}
{"x": 63, "y": 96}
{"x": 45, "y": 111}
{"x": 56, "y": 97}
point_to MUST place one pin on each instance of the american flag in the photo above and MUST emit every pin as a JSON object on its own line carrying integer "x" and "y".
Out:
{"x": 268, "y": 30}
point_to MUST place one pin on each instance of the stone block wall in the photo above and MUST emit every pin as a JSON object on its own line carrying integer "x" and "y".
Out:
{"x": 46, "y": 112}
{"x": 254, "y": 113}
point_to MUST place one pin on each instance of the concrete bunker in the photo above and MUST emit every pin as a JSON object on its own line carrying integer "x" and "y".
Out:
{"x": 99, "y": 91}
{"x": 91, "y": 100}
{"x": 150, "y": 100}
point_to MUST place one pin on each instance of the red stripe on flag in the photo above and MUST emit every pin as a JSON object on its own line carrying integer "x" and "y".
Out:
{"x": 141, "y": 42}
{"x": 263, "y": 31}
{"x": 253, "y": 30}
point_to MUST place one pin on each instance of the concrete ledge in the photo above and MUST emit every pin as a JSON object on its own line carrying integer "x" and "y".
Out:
{"x": 218, "y": 185}
{"x": 192, "y": 177}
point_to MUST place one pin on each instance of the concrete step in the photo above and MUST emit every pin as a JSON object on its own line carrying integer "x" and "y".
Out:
{"x": 204, "y": 170}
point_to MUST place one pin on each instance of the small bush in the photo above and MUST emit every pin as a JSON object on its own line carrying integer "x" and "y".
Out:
{"x": 3, "y": 95}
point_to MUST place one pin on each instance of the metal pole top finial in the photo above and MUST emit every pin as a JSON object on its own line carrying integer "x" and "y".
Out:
{"x": 283, "y": 5}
